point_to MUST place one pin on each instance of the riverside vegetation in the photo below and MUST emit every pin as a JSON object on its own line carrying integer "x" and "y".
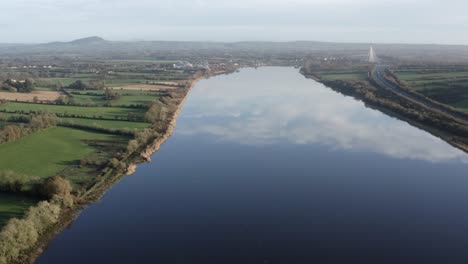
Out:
{"x": 58, "y": 155}
{"x": 448, "y": 121}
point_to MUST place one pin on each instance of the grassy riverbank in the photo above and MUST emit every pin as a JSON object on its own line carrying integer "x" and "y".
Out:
{"x": 441, "y": 124}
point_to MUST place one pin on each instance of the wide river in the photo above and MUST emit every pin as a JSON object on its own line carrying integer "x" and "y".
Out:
{"x": 266, "y": 166}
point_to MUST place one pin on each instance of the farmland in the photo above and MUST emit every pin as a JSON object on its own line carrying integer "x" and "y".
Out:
{"x": 81, "y": 125}
{"x": 112, "y": 124}
{"x": 125, "y": 98}
{"x": 344, "y": 76}
{"x": 57, "y": 147}
{"x": 332, "y": 71}
{"x": 79, "y": 111}
{"x": 30, "y": 97}
{"x": 448, "y": 85}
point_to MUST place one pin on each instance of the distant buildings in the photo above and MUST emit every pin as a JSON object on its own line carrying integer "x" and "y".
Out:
{"x": 182, "y": 65}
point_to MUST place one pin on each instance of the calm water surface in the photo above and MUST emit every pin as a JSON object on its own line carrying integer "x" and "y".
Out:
{"x": 266, "y": 166}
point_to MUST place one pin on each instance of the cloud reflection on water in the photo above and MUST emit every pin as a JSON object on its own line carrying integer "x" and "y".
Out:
{"x": 271, "y": 105}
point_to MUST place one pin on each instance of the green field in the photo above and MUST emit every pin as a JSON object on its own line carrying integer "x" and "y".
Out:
{"x": 97, "y": 144}
{"x": 344, "y": 76}
{"x": 107, "y": 123}
{"x": 48, "y": 152}
{"x": 127, "y": 81}
{"x": 119, "y": 91}
{"x": 89, "y": 99}
{"x": 426, "y": 78}
{"x": 101, "y": 112}
{"x": 126, "y": 98}
{"x": 134, "y": 100}
{"x": 447, "y": 86}
{"x": 12, "y": 205}
{"x": 414, "y": 76}
{"x": 68, "y": 81}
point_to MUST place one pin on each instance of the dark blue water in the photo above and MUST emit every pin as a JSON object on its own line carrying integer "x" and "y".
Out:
{"x": 269, "y": 167}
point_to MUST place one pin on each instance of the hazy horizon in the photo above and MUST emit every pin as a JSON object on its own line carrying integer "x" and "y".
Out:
{"x": 344, "y": 21}
{"x": 239, "y": 41}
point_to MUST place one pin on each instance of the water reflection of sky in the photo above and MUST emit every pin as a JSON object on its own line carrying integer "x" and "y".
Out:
{"x": 271, "y": 105}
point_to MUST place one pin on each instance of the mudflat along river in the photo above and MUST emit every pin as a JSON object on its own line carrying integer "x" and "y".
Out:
{"x": 266, "y": 166}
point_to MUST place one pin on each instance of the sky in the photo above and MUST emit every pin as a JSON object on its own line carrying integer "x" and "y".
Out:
{"x": 374, "y": 21}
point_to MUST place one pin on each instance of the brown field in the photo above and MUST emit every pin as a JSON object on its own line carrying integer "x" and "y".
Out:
{"x": 144, "y": 87}
{"x": 29, "y": 97}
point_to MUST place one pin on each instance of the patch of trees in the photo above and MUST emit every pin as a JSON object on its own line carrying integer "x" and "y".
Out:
{"x": 42, "y": 121}
{"x": 11, "y": 133}
{"x": 14, "y": 182}
{"x": 78, "y": 85}
{"x": 91, "y": 85}
{"x": 64, "y": 100}
{"x": 131, "y": 117}
{"x": 117, "y": 165}
{"x": 110, "y": 95}
{"x": 141, "y": 139}
{"x": 25, "y": 86}
{"x": 20, "y": 235}
{"x": 19, "y": 183}
{"x": 156, "y": 112}
{"x": 132, "y": 146}
{"x": 56, "y": 186}
{"x": 15, "y": 118}
{"x": 48, "y": 83}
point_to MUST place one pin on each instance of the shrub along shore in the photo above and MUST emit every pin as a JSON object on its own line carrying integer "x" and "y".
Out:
{"x": 22, "y": 240}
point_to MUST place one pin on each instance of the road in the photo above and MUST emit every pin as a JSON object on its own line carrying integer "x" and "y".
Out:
{"x": 378, "y": 75}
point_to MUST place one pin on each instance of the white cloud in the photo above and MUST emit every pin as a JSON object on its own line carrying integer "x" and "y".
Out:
{"x": 433, "y": 21}
{"x": 287, "y": 107}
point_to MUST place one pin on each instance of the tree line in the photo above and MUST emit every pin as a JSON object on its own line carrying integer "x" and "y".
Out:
{"x": 37, "y": 122}
{"x": 23, "y": 86}
{"x": 20, "y": 235}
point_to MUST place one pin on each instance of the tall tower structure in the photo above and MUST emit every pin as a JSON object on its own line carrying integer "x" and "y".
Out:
{"x": 371, "y": 57}
{"x": 372, "y": 60}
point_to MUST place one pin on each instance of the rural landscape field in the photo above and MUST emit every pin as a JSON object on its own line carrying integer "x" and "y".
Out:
{"x": 67, "y": 129}
{"x": 241, "y": 132}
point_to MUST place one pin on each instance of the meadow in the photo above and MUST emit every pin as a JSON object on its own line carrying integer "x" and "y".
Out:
{"x": 80, "y": 111}
{"x": 48, "y": 152}
{"x": 126, "y": 98}
{"x": 111, "y": 124}
{"x": 446, "y": 85}
{"x": 89, "y": 138}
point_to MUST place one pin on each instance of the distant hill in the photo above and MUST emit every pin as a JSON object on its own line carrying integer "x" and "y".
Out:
{"x": 98, "y": 47}
{"x": 89, "y": 40}
{"x": 78, "y": 43}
